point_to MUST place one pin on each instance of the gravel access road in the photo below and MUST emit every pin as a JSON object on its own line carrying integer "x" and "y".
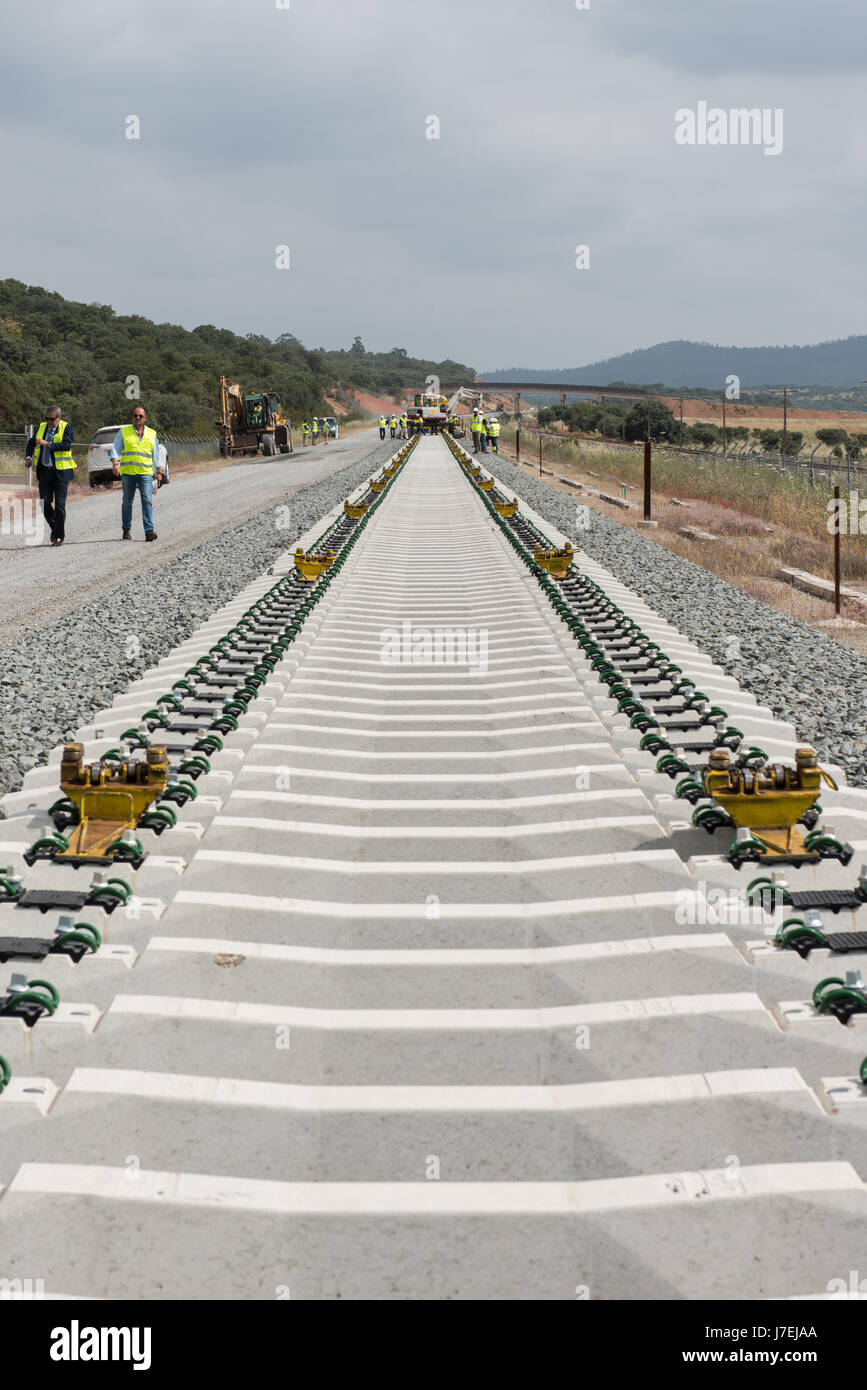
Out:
{"x": 39, "y": 584}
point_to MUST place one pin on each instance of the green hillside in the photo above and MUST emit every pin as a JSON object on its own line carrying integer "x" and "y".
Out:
{"x": 80, "y": 355}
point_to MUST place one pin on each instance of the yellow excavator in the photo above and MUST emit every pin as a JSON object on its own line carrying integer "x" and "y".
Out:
{"x": 252, "y": 421}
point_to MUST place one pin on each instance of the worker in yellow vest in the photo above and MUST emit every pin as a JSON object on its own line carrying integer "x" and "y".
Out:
{"x": 135, "y": 459}
{"x": 48, "y": 449}
{"x": 314, "y": 429}
{"x": 382, "y": 427}
{"x": 305, "y": 432}
{"x": 494, "y": 433}
{"x": 476, "y": 430}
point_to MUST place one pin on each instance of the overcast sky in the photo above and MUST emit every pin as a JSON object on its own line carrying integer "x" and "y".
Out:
{"x": 306, "y": 127}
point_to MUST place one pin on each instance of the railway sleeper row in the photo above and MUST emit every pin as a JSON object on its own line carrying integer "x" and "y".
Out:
{"x": 400, "y": 1006}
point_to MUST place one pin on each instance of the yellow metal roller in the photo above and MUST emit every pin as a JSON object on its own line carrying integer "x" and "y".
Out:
{"x": 110, "y": 797}
{"x": 556, "y": 562}
{"x": 768, "y": 800}
{"x": 310, "y": 566}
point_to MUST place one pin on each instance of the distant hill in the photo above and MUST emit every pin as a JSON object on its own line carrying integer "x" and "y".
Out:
{"x": 80, "y": 356}
{"x": 842, "y": 364}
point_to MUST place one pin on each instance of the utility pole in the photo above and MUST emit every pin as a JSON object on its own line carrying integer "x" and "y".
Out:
{"x": 681, "y": 423}
{"x": 785, "y": 420}
{"x": 724, "y": 423}
{"x": 837, "y": 552}
{"x": 517, "y": 427}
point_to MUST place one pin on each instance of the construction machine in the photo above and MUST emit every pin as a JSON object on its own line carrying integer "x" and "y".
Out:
{"x": 434, "y": 409}
{"x": 250, "y": 421}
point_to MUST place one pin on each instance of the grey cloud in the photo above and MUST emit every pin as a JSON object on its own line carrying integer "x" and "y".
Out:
{"x": 307, "y": 127}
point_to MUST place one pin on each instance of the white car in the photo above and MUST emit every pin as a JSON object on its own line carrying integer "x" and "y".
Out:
{"x": 99, "y": 470}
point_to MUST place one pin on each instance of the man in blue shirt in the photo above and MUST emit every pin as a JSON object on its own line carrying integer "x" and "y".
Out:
{"x": 49, "y": 446}
{"x": 135, "y": 459}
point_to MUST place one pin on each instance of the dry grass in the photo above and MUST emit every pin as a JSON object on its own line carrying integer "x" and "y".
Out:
{"x": 761, "y": 519}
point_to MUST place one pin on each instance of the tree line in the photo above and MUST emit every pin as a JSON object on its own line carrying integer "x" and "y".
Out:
{"x": 91, "y": 362}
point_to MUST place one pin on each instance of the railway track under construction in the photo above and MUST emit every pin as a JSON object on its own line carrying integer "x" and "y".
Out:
{"x": 420, "y": 977}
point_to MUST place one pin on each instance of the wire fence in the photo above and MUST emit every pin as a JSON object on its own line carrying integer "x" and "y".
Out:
{"x": 833, "y": 467}
{"x": 12, "y": 447}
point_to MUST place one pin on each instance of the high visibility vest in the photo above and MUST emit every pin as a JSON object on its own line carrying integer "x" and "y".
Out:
{"x": 476, "y": 425}
{"x": 137, "y": 456}
{"x": 382, "y": 422}
{"x": 494, "y": 430}
{"x": 403, "y": 421}
{"x": 305, "y": 428}
{"x": 62, "y": 457}
{"x": 315, "y": 427}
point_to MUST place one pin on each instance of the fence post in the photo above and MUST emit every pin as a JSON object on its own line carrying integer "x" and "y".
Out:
{"x": 837, "y": 551}
{"x": 647, "y": 448}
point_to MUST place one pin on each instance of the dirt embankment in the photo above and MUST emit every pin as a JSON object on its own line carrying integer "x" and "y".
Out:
{"x": 374, "y": 405}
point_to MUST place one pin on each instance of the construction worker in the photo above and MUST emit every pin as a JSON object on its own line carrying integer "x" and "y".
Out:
{"x": 49, "y": 450}
{"x": 305, "y": 432}
{"x": 494, "y": 433}
{"x": 135, "y": 458}
{"x": 475, "y": 429}
{"x": 382, "y": 427}
{"x": 483, "y": 434}
{"x": 314, "y": 430}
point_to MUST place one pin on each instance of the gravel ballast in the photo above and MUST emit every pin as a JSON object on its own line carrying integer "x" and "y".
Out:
{"x": 817, "y": 684}
{"x": 55, "y": 680}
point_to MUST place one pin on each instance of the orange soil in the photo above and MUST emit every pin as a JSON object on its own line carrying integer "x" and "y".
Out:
{"x": 376, "y": 405}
